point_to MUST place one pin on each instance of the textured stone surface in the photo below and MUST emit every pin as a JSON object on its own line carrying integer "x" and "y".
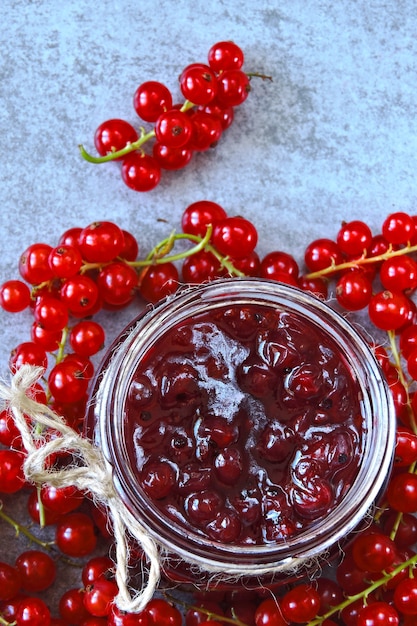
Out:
{"x": 333, "y": 136}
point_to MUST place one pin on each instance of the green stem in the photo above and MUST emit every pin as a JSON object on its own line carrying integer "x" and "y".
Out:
{"x": 363, "y": 594}
{"x": 364, "y": 260}
{"x": 20, "y": 529}
{"x": 112, "y": 156}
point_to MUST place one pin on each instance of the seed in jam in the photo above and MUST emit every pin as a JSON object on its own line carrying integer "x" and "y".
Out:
{"x": 245, "y": 424}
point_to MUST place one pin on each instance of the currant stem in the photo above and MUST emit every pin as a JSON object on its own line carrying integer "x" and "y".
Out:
{"x": 20, "y": 529}
{"x": 363, "y": 260}
{"x": 112, "y": 156}
{"x": 365, "y": 593}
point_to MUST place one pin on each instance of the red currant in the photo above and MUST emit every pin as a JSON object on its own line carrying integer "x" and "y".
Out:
{"x": 171, "y": 158}
{"x": 233, "y": 88}
{"x": 151, "y": 99}
{"x": 225, "y": 55}
{"x": 354, "y": 290}
{"x": 389, "y": 310}
{"x": 87, "y": 338}
{"x": 75, "y": 534}
{"x": 101, "y": 242}
{"x": 37, "y": 570}
{"x": 300, "y": 604}
{"x": 141, "y": 172}
{"x": 173, "y": 128}
{"x": 159, "y": 281}
{"x": 198, "y": 83}
{"x": 398, "y": 228}
{"x": 65, "y": 261}
{"x": 33, "y": 265}
{"x": 199, "y": 215}
{"x": 14, "y": 296}
{"x": 354, "y": 238}
{"x": 235, "y": 237}
{"x": 114, "y": 135}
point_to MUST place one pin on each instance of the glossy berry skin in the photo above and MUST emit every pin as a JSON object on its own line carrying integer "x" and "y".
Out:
{"x": 71, "y": 606}
{"x": 389, "y": 310}
{"x": 269, "y": 613}
{"x": 141, "y": 172}
{"x": 373, "y": 552}
{"x": 406, "y": 447}
{"x": 99, "y": 596}
{"x": 159, "y": 281}
{"x": 322, "y": 253}
{"x": 119, "y": 618}
{"x": 233, "y": 88}
{"x": 33, "y": 612}
{"x": 151, "y": 99}
{"x": 27, "y": 352}
{"x": 14, "y": 296}
{"x": 378, "y": 614}
{"x": 173, "y": 128}
{"x": 162, "y": 613}
{"x": 405, "y": 596}
{"x": 225, "y": 55}
{"x": 67, "y": 382}
{"x": 65, "y": 261}
{"x": 399, "y": 274}
{"x": 114, "y": 135}
{"x": 402, "y": 492}
{"x": 37, "y": 570}
{"x": 354, "y": 290}
{"x": 199, "y": 215}
{"x": 198, "y": 83}
{"x": 398, "y": 228}
{"x": 12, "y": 478}
{"x": 235, "y": 237}
{"x": 276, "y": 263}
{"x": 117, "y": 283}
{"x": 354, "y": 238}
{"x": 101, "y": 242}
{"x": 33, "y": 264}
{"x": 51, "y": 313}
{"x": 61, "y": 500}
{"x": 300, "y": 604}
{"x": 75, "y": 535}
{"x": 80, "y": 293}
{"x": 171, "y": 158}
{"x": 87, "y": 337}
{"x": 207, "y": 130}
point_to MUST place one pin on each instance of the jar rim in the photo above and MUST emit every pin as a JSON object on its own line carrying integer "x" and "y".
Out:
{"x": 379, "y": 441}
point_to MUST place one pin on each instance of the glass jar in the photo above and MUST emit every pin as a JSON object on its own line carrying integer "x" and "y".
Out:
{"x": 248, "y": 426}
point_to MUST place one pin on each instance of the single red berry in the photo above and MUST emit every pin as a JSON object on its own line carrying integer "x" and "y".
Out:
{"x": 354, "y": 238}
{"x": 97, "y": 567}
{"x": 141, "y": 172}
{"x": 207, "y": 130}
{"x": 200, "y": 267}
{"x": 99, "y": 597}
{"x": 61, "y": 500}
{"x": 408, "y": 340}
{"x": 353, "y": 290}
{"x": 51, "y": 313}
{"x": 130, "y": 250}
{"x": 406, "y": 447}
{"x": 225, "y": 55}
{"x": 151, "y": 99}
{"x": 171, "y": 158}
{"x": 162, "y": 613}
{"x": 71, "y": 606}
{"x": 70, "y": 237}
{"x": 75, "y": 534}
{"x": 199, "y": 215}
{"x": 159, "y": 281}
{"x": 398, "y": 228}
{"x": 300, "y": 604}
{"x": 33, "y": 264}
{"x": 235, "y": 237}
{"x": 373, "y": 552}
{"x": 28, "y": 353}
{"x": 405, "y": 596}
{"x": 389, "y": 310}
{"x": 317, "y": 286}
{"x": 269, "y": 613}
{"x": 114, "y": 135}
{"x": 117, "y": 283}
{"x": 233, "y": 88}
{"x": 65, "y": 261}
{"x": 14, "y": 296}
{"x": 198, "y": 83}
{"x": 12, "y": 478}
{"x": 81, "y": 295}
{"x": 67, "y": 382}
{"x": 173, "y": 128}
{"x": 101, "y": 242}
{"x": 399, "y": 274}
{"x": 225, "y": 115}
{"x": 402, "y": 492}
{"x": 322, "y": 253}
{"x": 87, "y": 337}
{"x": 378, "y": 614}
{"x": 33, "y": 612}
{"x": 277, "y": 263}
{"x": 37, "y": 570}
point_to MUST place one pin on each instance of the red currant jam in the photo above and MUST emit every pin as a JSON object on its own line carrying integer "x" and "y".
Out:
{"x": 245, "y": 424}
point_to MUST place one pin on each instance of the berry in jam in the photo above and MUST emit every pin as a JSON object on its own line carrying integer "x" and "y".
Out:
{"x": 244, "y": 424}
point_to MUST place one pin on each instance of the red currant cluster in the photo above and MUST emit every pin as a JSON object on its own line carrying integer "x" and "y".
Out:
{"x": 211, "y": 92}
{"x": 98, "y": 266}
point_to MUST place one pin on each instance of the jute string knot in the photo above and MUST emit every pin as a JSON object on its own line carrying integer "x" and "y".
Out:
{"x": 89, "y": 472}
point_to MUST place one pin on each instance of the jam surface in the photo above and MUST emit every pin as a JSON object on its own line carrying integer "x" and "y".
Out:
{"x": 244, "y": 425}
